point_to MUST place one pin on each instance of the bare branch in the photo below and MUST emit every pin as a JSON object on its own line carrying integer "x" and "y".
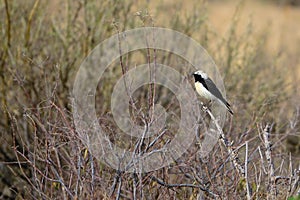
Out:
{"x": 249, "y": 189}
{"x": 161, "y": 182}
{"x": 232, "y": 153}
{"x": 268, "y": 152}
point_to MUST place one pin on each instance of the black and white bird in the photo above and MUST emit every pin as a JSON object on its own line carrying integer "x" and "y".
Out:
{"x": 206, "y": 88}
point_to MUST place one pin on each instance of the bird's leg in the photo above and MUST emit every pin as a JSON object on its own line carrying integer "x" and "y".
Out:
{"x": 208, "y": 104}
{"x": 204, "y": 106}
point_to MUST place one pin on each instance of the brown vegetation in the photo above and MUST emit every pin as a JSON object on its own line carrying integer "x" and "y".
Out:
{"x": 42, "y": 46}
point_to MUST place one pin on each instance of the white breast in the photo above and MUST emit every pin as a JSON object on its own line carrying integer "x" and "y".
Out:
{"x": 202, "y": 91}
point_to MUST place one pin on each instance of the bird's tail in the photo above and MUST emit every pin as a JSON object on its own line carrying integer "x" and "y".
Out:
{"x": 227, "y": 105}
{"x": 228, "y": 108}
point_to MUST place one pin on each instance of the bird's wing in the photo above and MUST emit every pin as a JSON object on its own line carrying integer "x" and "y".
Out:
{"x": 215, "y": 91}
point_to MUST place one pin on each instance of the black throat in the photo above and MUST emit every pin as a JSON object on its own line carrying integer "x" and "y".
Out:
{"x": 198, "y": 78}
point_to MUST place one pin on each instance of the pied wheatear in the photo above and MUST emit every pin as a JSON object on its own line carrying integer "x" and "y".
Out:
{"x": 206, "y": 88}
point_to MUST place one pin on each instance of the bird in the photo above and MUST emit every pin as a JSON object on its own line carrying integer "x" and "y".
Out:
{"x": 207, "y": 89}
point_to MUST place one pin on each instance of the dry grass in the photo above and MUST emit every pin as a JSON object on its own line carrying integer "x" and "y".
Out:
{"x": 255, "y": 45}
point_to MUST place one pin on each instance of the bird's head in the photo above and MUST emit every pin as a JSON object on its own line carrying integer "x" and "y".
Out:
{"x": 200, "y": 73}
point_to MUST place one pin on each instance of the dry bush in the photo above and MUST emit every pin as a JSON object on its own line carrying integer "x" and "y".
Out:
{"x": 42, "y": 156}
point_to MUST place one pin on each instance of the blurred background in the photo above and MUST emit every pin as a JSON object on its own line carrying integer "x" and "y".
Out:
{"x": 255, "y": 44}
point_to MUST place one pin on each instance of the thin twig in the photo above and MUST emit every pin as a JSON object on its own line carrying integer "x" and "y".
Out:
{"x": 156, "y": 139}
{"x": 134, "y": 185}
{"x": 143, "y": 137}
{"x": 257, "y": 179}
{"x": 268, "y": 145}
{"x": 8, "y": 27}
{"x": 296, "y": 181}
{"x": 27, "y": 33}
{"x": 249, "y": 189}
{"x": 116, "y": 180}
{"x": 262, "y": 160}
{"x": 92, "y": 172}
{"x": 78, "y": 173}
{"x": 161, "y": 182}
{"x": 119, "y": 189}
{"x": 232, "y": 153}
